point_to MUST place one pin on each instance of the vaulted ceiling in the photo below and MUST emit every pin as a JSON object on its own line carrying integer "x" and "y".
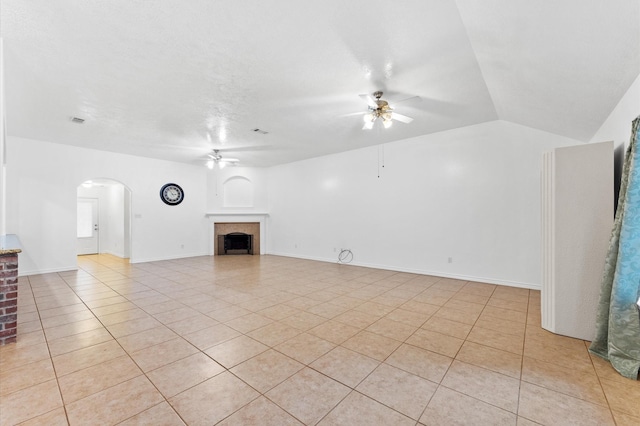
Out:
{"x": 174, "y": 79}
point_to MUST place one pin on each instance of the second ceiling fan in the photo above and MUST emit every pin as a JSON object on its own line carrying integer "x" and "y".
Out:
{"x": 216, "y": 158}
{"x": 379, "y": 108}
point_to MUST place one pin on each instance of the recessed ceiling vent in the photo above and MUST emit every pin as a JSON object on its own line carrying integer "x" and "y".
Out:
{"x": 77, "y": 120}
{"x": 262, "y": 132}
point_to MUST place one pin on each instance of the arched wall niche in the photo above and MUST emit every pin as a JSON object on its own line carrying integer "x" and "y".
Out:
{"x": 237, "y": 191}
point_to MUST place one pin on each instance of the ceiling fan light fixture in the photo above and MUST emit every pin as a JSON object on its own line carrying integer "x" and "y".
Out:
{"x": 369, "y": 119}
{"x": 216, "y": 158}
{"x": 379, "y": 108}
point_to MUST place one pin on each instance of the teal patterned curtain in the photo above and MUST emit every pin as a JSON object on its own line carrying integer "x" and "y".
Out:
{"x": 618, "y": 323}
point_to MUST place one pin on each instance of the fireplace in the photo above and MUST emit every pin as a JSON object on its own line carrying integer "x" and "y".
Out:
{"x": 235, "y": 243}
{"x": 243, "y": 238}
{"x": 227, "y": 223}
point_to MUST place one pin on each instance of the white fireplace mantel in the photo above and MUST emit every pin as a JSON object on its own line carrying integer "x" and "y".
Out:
{"x": 231, "y": 217}
{"x": 235, "y": 215}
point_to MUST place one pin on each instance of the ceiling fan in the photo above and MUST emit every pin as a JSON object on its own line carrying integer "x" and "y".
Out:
{"x": 379, "y": 108}
{"x": 216, "y": 158}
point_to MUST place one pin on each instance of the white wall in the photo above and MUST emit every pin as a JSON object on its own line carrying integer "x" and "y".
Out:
{"x": 2, "y": 146}
{"x": 472, "y": 194}
{"x": 115, "y": 217}
{"x": 617, "y": 127}
{"x": 42, "y": 179}
{"x": 216, "y": 179}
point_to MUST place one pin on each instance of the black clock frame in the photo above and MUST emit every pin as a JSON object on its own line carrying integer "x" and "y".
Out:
{"x": 169, "y": 202}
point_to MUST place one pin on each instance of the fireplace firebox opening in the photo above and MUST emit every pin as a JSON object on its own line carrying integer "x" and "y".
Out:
{"x": 235, "y": 243}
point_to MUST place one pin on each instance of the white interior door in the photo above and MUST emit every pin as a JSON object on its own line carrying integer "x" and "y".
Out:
{"x": 88, "y": 226}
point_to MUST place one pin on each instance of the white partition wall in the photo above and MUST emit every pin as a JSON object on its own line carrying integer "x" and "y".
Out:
{"x": 3, "y": 178}
{"x": 577, "y": 216}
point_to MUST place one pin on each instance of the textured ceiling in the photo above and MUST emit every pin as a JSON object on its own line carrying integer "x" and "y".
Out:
{"x": 175, "y": 79}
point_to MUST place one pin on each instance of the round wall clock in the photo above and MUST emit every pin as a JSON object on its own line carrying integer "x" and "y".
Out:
{"x": 172, "y": 194}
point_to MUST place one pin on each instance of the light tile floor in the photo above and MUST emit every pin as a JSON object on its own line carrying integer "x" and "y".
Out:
{"x": 270, "y": 340}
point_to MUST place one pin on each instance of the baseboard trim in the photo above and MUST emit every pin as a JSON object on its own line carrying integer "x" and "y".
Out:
{"x": 22, "y": 273}
{"x": 113, "y": 253}
{"x": 486, "y": 280}
{"x": 159, "y": 259}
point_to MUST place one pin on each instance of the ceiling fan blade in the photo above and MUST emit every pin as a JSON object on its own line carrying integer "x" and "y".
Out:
{"x": 401, "y": 118}
{"x": 181, "y": 147}
{"x": 228, "y": 160}
{"x": 244, "y": 148}
{"x": 369, "y": 100}
{"x": 354, "y": 114}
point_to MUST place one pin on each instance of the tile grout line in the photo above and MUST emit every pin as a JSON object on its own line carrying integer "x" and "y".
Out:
{"x": 143, "y": 373}
{"x": 374, "y": 289}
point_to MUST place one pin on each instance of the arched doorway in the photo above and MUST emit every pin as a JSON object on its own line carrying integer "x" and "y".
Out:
{"x": 104, "y": 218}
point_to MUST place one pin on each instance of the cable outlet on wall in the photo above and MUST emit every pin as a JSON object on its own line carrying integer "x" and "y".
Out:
{"x": 450, "y": 260}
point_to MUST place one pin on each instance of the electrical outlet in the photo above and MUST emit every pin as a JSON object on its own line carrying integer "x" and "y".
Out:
{"x": 450, "y": 260}
{"x": 181, "y": 246}
{"x": 335, "y": 250}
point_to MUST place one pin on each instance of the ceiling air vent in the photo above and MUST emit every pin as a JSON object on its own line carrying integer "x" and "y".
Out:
{"x": 262, "y": 132}
{"x": 77, "y": 120}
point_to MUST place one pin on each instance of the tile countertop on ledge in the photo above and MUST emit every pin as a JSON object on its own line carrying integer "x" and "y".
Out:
{"x": 10, "y": 244}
